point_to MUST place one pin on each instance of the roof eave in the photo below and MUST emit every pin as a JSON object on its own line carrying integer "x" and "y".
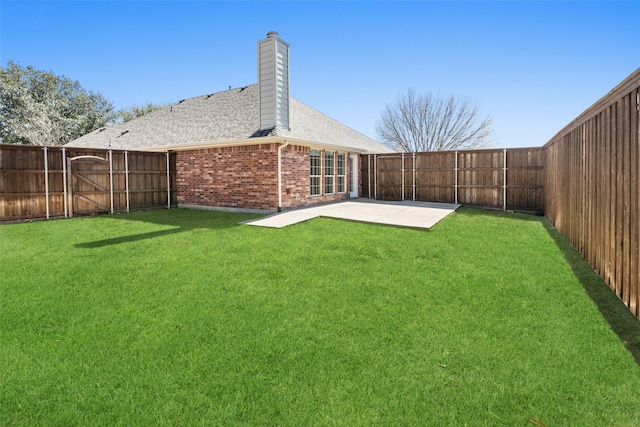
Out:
{"x": 256, "y": 141}
{"x": 213, "y": 144}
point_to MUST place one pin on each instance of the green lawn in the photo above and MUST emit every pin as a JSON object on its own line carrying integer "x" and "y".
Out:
{"x": 186, "y": 318}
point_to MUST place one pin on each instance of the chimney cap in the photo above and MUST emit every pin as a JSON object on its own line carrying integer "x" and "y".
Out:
{"x": 273, "y": 34}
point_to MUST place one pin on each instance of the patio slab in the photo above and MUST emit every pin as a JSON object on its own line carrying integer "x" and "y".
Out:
{"x": 402, "y": 214}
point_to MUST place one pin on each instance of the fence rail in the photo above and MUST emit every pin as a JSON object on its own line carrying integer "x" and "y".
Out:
{"x": 504, "y": 178}
{"x": 592, "y": 190}
{"x": 53, "y": 182}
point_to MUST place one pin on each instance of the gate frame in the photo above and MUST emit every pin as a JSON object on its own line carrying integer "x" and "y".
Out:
{"x": 69, "y": 186}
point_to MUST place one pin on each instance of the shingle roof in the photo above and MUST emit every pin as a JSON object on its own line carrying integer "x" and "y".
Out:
{"x": 223, "y": 117}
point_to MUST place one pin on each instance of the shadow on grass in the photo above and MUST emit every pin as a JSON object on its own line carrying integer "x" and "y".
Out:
{"x": 129, "y": 238}
{"x": 496, "y": 213}
{"x": 182, "y": 220}
{"x": 617, "y": 315}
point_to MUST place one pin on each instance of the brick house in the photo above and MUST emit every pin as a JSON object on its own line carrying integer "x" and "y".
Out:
{"x": 249, "y": 148}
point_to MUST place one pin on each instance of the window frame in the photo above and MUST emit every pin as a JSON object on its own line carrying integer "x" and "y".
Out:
{"x": 315, "y": 179}
{"x": 329, "y": 170}
{"x": 341, "y": 172}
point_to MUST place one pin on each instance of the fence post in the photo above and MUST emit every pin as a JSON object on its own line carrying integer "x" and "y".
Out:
{"x": 111, "y": 178}
{"x": 369, "y": 173}
{"x": 504, "y": 181}
{"x": 455, "y": 178}
{"x": 64, "y": 181}
{"x": 46, "y": 178}
{"x": 414, "y": 176}
{"x": 168, "y": 183}
{"x": 126, "y": 176}
{"x": 375, "y": 176}
{"x": 402, "y": 177}
{"x": 70, "y": 187}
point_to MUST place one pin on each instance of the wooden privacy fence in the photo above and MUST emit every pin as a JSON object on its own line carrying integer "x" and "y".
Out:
{"x": 592, "y": 190}
{"x": 504, "y": 178}
{"x": 54, "y": 182}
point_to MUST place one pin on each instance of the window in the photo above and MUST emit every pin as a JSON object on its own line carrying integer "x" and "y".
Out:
{"x": 342, "y": 173}
{"x": 316, "y": 172}
{"x": 329, "y": 172}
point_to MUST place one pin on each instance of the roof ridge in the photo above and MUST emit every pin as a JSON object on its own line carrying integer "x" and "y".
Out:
{"x": 225, "y": 116}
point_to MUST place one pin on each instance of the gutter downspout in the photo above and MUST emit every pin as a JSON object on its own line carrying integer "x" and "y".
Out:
{"x": 280, "y": 147}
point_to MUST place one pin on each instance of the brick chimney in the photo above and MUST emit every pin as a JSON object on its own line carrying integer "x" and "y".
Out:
{"x": 273, "y": 82}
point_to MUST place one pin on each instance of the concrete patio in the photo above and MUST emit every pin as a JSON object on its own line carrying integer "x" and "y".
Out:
{"x": 421, "y": 215}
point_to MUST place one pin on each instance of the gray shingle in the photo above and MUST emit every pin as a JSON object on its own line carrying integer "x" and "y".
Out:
{"x": 226, "y": 116}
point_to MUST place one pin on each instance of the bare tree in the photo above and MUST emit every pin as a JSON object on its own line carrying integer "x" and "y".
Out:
{"x": 426, "y": 122}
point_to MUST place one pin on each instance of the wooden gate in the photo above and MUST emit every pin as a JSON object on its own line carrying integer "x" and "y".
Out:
{"x": 88, "y": 185}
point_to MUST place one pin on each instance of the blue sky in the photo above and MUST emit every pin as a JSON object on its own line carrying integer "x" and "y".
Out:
{"x": 534, "y": 66}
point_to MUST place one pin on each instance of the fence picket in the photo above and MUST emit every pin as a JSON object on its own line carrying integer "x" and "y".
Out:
{"x": 477, "y": 177}
{"x": 594, "y": 201}
{"x": 33, "y": 185}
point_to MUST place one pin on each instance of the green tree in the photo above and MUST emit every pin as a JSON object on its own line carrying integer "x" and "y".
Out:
{"x": 41, "y": 108}
{"x": 135, "y": 111}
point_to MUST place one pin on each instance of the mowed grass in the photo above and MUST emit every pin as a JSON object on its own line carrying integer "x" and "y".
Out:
{"x": 186, "y": 318}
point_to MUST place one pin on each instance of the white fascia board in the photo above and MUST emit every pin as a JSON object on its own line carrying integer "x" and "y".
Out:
{"x": 325, "y": 146}
{"x": 216, "y": 144}
{"x": 256, "y": 141}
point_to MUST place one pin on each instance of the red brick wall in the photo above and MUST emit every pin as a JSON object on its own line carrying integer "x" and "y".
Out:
{"x": 242, "y": 177}
{"x": 246, "y": 177}
{"x": 296, "y": 180}
{"x": 295, "y": 176}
